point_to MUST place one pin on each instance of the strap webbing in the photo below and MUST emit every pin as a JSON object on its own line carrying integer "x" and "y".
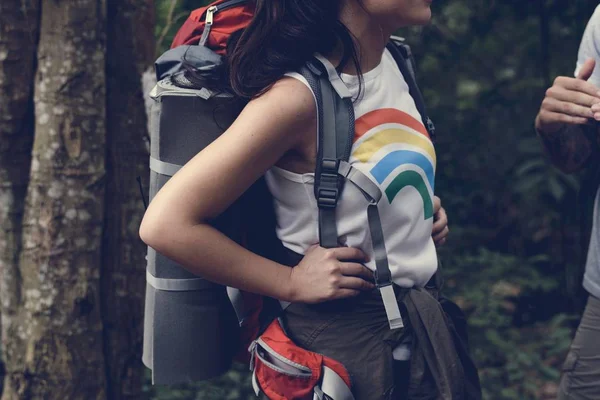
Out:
{"x": 369, "y": 189}
{"x": 163, "y": 167}
{"x": 255, "y": 384}
{"x": 334, "y": 386}
{"x": 383, "y": 276}
{"x": 334, "y": 78}
{"x": 408, "y": 73}
{"x": 178, "y": 285}
{"x": 327, "y": 180}
{"x": 335, "y": 134}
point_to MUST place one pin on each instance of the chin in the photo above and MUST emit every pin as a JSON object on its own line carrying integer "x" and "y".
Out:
{"x": 416, "y": 19}
{"x": 423, "y": 18}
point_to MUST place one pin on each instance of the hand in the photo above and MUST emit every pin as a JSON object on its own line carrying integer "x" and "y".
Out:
{"x": 329, "y": 274}
{"x": 440, "y": 224}
{"x": 570, "y": 101}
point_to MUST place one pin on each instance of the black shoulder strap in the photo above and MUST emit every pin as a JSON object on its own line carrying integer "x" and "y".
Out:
{"x": 406, "y": 63}
{"x": 335, "y": 134}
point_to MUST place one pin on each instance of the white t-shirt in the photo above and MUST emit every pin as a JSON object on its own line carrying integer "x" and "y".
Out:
{"x": 590, "y": 48}
{"x": 392, "y": 147}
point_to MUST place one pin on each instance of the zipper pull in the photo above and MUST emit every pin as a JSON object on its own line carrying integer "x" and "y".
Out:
{"x": 209, "y": 15}
{"x": 252, "y": 351}
{"x": 210, "y": 12}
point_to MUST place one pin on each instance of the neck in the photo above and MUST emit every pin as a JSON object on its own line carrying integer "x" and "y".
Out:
{"x": 369, "y": 37}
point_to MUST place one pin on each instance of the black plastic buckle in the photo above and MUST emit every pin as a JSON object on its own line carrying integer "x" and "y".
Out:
{"x": 328, "y": 190}
{"x": 330, "y": 166}
{"x": 382, "y": 281}
{"x": 327, "y": 198}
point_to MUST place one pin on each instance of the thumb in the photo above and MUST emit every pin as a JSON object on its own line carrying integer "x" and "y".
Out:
{"x": 587, "y": 69}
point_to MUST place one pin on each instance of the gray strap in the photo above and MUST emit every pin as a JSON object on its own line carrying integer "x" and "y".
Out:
{"x": 205, "y": 33}
{"x": 327, "y": 188}
{"x": 361, "y": 181}
{"x": 255, "y": 385}
{"x": 383, "y": 275}
{"x": 178, "y": 285}
{"x": 391, "y": 307}
{"x": 334, "y": 386}
{"x": 164, "y": 168}
{"x": 237, "y": 301}
{"x": 318, "y": 393}
{"x": 335, "y": 79}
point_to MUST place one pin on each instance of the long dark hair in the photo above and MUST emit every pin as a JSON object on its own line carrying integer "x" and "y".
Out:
{"x": 282, "y": 36}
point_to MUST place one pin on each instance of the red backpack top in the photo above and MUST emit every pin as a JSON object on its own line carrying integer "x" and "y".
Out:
{"x": 228, "y": 17}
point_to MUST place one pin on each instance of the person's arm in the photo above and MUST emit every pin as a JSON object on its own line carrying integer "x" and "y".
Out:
{"x": 565, "y": 123}
{"x": 176, "y": 226}
{"x": 569, "y": 148}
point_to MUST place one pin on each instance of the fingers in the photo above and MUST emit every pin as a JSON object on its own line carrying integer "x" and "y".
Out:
{"x": 437, "y": 204}
{"x": 355, "y": 269}
{"x": 351, "y": 282}
{"x": 576, "y": 85}
{"x": 570, "y": 101}
{"x": 441, "y": 236}
{"x": 441, "y": 221}
{"x": 345, "y": 293}
{"x": 587, "y": 69}
{"x": 582, "y": 99}
{"x": 567, "y": 108}
{"x": 551, "y": 117}
{"x": 348, "y": 253}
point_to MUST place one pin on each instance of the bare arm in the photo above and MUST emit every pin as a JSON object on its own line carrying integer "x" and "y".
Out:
{"x": 566, "y": 123}
{"x": 175, "y": 223}
{"x": 570, "y": 147}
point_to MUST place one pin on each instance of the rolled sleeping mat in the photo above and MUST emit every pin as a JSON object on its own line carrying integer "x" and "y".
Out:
{"x": 191, "y": 331}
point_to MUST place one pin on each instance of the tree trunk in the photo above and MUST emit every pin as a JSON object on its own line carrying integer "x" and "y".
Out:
{"x": 56, "y": 344}
{"x": 19, "y": 21}
{"x": 130, "y": 52}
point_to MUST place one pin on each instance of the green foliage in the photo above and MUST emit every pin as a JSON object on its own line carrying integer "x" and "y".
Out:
{"x": 517, "y": 358}
{"x": 235, "y": 385}
{"x": 515, "y": 256}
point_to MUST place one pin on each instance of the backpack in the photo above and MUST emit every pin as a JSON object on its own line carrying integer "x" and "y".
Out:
{"x": 194, "y": 328}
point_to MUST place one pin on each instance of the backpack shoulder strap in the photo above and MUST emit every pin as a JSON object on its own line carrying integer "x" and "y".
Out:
{"x": 406, "y": 63}
{"x": 335, "y": 133}
{"x": 336, "y": 130}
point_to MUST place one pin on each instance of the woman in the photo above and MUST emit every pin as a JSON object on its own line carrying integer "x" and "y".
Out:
{"x": 276, "y": 135}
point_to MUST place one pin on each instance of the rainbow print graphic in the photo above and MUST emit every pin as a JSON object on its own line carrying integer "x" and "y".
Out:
{"x": 401, "y": 150}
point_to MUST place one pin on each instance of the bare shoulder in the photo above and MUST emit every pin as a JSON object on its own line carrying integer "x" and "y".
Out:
{"x": 289, "y": 103}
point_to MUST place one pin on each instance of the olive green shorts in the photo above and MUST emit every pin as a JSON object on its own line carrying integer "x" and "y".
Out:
{"x": 356, "y": 333}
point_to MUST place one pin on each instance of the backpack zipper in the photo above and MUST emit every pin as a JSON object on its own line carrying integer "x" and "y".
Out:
{"x": 209, "y": 16}
{"x": 212, "y": 10}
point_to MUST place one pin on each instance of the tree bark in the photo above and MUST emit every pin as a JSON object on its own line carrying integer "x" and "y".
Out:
{"x": 55, "y": 342}
{"x": 130, "y": 52}
{"x": 19, "y": 21}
